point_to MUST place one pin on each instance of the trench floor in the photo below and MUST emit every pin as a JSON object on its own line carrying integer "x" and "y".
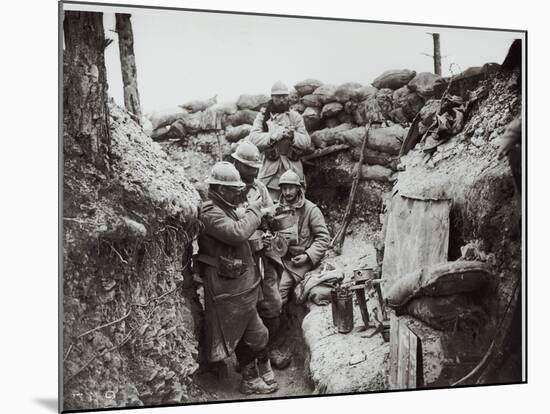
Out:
{"x": 293, "y": 381}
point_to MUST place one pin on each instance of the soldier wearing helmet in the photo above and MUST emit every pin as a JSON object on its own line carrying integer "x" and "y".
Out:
{"x": 232, "y": 284}
{"x": 308, "y": 240}
{"x": 247, "y": 160}
{"x": 281, "y": 135}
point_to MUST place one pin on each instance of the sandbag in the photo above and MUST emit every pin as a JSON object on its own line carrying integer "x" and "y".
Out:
{"x": 373, "y": 157}
{"x": 375, "y": 173}
{"x": 244, "y": 116}
{"x": 344, "y": 118}
{"x": 447, "y": 313}
{"x": 331, "y": 122}
{"x": 393, "y": 79}
{"x": 371, "y": 109}
{"x": 307, "y": 86}
{"x": 441, "y": 279}
{"x": 312, "y": 101}
{"x": 166, "y": 116}
{"x": 312, "y": 118}
{"x": 325, "y": 93}
{"x": 366, "y": 92}
{"x": 384, "y": 97}
{"x": 359, "y": 115}
{"x": 398, "y": 116}
{"x": 160, "y": 133}
{"x": 177, "y": 129}
{"x": 349, "y": 107}
{"x": 234, "y": 134}
{"x": 386, "y": 139}
{"x": 331, "y": 109}
{"x": 199, "y": 105}
{"x": 293, "y": 96}
{"x": 353, "y": 137}
{"x": 298, "y": 107}
{"x": 424, "y": 84}
{"x": 347, "y": 92}
{"x": 226, "y": 108}
{"x": 192, "y": 122}
{"x": 253, "y": 102}
{"x": 410, "y": 102}
{"x": 328, "y": 136}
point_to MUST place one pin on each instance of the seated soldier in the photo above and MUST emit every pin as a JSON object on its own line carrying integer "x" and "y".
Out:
{"x": 310, "y": 238}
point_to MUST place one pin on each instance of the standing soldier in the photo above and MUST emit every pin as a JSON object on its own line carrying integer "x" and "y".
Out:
{"x": 231, "y": 279}
{"x": 247, "y": 160}
{"x": 281, "y": 135}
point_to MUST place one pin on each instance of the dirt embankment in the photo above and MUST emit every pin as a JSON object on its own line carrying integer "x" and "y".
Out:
{"x": 486, "y": 208}
{"x": 129, "y": 333}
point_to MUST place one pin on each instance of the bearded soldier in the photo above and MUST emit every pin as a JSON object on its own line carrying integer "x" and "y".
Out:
{"x": 280, "y": 134}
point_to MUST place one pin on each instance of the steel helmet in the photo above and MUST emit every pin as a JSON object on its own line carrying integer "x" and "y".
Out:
{"x": 248, "y": 154}
{"x": 279, "y": 88}
{"x": 290, "y": 177}
{"x": 225, "y": 173}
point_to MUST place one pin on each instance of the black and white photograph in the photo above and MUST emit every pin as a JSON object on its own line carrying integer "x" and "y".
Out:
{"x": 266, "y": 206}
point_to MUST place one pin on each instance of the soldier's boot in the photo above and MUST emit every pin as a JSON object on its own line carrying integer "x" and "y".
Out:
{"x": 265, "y": 371}
{"x": 252, "y": 383}
{"x": 279, "y": 359}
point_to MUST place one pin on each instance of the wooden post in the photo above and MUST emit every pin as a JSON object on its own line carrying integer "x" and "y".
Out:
{"x": 128, "y": 63}
{"x": 437, "y": 54}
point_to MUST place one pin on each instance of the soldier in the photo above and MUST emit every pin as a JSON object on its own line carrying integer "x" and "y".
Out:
{"x": 308, "y": 240}
{"x": 281, "y": 135}
{"x": 247, "y": 161}
{"x": 232, "y": 283}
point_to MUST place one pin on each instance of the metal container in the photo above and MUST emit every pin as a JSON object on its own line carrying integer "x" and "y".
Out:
{"x": 255, "y": 241}
{"x": 284, "y": 221}
{"x": 342, "y": 309}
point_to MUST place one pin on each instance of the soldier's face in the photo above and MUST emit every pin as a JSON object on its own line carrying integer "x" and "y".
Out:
{"x": 290, "y": 192}
{"x": 280, "y": 102}
{"x": 248, "y": 173}
{"x": 231, "y": 194}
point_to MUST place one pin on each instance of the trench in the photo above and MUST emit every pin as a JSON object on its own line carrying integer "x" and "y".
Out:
{"x": 329, "y": 184}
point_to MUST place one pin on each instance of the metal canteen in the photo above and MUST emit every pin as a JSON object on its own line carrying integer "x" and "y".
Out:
{"x": 279, "y": 245}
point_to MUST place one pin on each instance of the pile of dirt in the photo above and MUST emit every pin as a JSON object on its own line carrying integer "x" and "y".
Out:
{"x": 129, "y": 321}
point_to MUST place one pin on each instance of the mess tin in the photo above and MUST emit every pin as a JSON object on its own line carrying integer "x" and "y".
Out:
{"x": 256, "y": 241}
{"x": 284, "y": 220}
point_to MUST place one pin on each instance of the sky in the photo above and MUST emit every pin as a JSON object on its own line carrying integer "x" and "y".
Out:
{"x": 183, "y": 55}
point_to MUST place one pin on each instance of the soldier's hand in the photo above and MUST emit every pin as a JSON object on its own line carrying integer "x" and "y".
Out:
{"x": 300, "y": 260}
{"x": 256, "y": 204}
{"x": 268, "y": 211}
{"x": 288, "y": 133}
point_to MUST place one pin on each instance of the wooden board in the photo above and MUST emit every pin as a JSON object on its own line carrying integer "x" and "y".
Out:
{"x": 404, "y": 349}
{"x": 417, "y": 235}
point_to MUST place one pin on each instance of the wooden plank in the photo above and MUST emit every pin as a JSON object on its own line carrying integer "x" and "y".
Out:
{"x": 417, "y": 235}
{"x": 394, "y": 349}
{"x": 403, "y": 359}
{"x": 413, "y": 371}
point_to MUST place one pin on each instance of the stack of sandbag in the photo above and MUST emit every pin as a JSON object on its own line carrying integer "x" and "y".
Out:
{"x": 445, "y": 296}
{"x": 381, "y": 155}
